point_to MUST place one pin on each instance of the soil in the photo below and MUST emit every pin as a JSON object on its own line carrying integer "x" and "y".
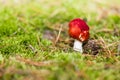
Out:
{"x": 92, "y": 47}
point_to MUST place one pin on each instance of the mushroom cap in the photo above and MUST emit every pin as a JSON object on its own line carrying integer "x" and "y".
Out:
{"x": 78, "y": 29}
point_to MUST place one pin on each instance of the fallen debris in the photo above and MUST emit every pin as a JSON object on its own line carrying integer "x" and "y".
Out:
{"x": 92, "y": 47}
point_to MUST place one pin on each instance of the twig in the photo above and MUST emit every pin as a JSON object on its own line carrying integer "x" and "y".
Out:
{"x": 50, "y": 53}
{"x": 104, "y": 30}
{"x": 112, "y": 44}
{"x": 105, "y": 47}
{"x": 32, "y": 48}
{"x": 58, "y": 35}
{"x": 30, "y": 62}
{"x": 38, "y": 39}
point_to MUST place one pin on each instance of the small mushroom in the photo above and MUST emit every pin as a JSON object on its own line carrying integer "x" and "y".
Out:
{"x": 79, "y": 30}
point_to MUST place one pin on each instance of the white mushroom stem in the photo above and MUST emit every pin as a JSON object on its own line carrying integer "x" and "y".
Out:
{"x": 78, "y": 46}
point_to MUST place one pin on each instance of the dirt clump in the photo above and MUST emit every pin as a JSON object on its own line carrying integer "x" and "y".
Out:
{"x": 92, "y": 47}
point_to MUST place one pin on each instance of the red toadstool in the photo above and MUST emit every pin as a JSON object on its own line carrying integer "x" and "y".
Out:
{"x": 79, "y": 30}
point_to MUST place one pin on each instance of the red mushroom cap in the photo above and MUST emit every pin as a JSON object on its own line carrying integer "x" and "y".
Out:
{"x": 79, "y": 30}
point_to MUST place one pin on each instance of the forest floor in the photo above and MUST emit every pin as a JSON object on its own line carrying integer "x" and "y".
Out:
{"x": 35, "y": 45}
